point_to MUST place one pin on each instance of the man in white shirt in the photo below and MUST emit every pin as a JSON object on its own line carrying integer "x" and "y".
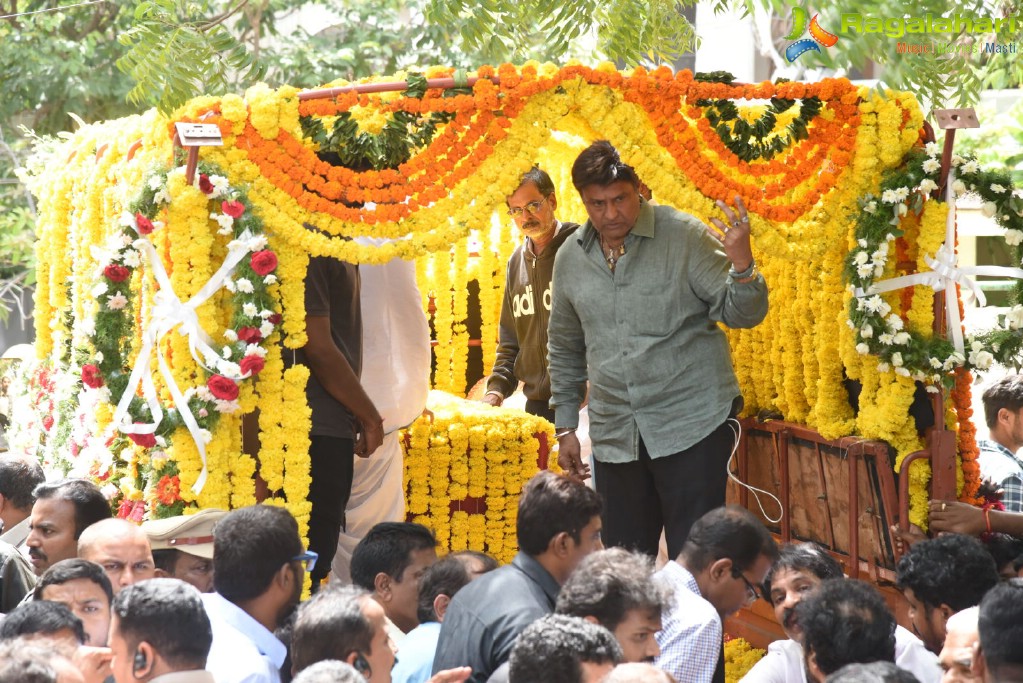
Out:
{"x": 800, "y": 569}
{"x": 258, "y": 567}
{"x": 727, "y": 553}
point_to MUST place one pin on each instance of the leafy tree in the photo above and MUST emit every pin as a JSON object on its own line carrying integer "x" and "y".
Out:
{"x": 954, "y": 77}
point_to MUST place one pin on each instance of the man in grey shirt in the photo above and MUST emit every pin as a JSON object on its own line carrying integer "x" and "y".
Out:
{"x": 638, "y": 294}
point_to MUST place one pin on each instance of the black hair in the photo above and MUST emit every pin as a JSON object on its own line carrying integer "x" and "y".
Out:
{"x": 846, "y": 621}
{"x": 69, "y": 570}
{"x": 331, "y": 625}
{"x": 388, "y": 548}
{"x": 169, "y": 615}
{"x": 551, "y": 504}
{"x": 1000, "y": 624}
{"x": 874, "y": 672}
{"x": 553, "y": 649}
{"x": 952, "y": 569}
{"x": 608, "y": 584}
{"x": 1005, "y": 393}
{"x": 330, "y": 671}
{"x": 540, "y": 179}
{"x": 284, "y": 632}
{"x": 600, "y": 164}
{"x": 19, "y": 477}
{"x": 90, "y": 504}
{"x": 1005, "y": 550}
{"x": 446, "y": 577}
{"x": 43, "y": 617}
{"x": 808, "y": 557}
{"x": 166, "y": 559}
{"x": 730, "y": 532}
{"x": 250, "y": 545}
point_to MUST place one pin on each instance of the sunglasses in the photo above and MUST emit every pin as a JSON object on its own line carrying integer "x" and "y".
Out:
{"x": 308, "y": 559}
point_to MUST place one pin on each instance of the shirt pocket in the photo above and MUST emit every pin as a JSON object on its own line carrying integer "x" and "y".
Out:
{"x": 655, "y": 308}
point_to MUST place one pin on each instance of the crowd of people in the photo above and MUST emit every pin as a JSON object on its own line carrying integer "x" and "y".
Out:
{"x": 216, "y": 598}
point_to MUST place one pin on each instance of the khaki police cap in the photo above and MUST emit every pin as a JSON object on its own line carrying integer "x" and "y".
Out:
{"x": 192, "y": 534}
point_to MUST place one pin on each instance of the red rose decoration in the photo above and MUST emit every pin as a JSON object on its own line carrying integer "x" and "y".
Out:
{"x": 144, "y": 440}
{"x": 233, "y": 209}
{"x": 263, "y": 262}
{"x": 116, "y": 273}
{"x": 144, "y": 224}
{"x": 48, "y": 422}
{"x": 274, "y": 319}
{"x": 223, "y": 388}
{"x": 252, "y": 364}
{"x": 250, "y": 335}
{"x": 204, "y": 184}
{"x": 91, "y": 376}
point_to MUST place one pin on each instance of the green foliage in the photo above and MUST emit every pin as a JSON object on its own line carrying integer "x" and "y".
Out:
{"x": 939, "y": 79}
{"x": 59, "y": 62}
{"x": 998, "y": 143}
{"x": 402, "y": 134}
{"x": 370, "y": 37}
{"x": 175, "y": 52}
{"x": 755, "y": 141}
{"x": 627, "y": 31}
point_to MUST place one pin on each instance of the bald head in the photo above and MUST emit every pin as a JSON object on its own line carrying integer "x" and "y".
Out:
{"x": 961, "y": 635}
{"x": 121, "y": 548}
{"x": 638, "y": 673}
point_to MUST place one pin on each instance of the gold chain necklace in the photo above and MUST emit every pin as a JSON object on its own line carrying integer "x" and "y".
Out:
{"x": 613, "y": 255}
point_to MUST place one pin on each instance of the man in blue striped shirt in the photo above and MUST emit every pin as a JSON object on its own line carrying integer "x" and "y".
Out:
{"x": 726, "y": 556}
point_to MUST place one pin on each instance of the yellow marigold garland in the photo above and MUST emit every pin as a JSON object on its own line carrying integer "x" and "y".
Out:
{"x": 799, "y": 230}
{"x": 740, "y": 657}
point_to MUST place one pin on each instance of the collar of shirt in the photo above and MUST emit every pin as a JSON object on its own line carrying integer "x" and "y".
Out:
{"x": 17, "y": 534}
{"x": 198, "y": 676}
{"x": 991, "y": 445}
{"x": 644, "y": 227}
{"x": 529, "y": 566}
{"x": 558, "y": 226}
{"x": 680, "y": 576}
{"x": 266, "y": 642}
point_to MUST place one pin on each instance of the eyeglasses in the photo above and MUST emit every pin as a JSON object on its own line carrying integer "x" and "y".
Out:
{"x": 752, "y": 594}
{"x": 531, "y": 207}
{"x": 308, "y": 558}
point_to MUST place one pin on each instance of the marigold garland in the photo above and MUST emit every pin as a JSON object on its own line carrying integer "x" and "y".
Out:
{"x": 740, "y": 657}
{"x": 800, "y": 198}
{"x": 467, "y": 450}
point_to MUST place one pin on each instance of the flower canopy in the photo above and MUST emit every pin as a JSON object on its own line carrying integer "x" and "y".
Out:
{"x": 423, "y": 174}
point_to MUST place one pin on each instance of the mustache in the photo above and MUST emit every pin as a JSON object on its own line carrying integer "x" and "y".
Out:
{"x": 37, "y": 554}
{"x": 788, "y": 618}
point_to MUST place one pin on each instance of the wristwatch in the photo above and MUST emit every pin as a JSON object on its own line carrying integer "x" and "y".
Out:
{"x": 745, "y": 276}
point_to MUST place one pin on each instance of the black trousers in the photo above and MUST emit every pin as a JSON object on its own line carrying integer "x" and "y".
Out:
{"x": 540, "y": 409}
{"x": 332, "y": 459}
{"x": 672, "y": 492}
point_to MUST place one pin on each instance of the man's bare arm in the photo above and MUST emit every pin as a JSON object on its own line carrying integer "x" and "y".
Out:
{"x": 333, "y": 371}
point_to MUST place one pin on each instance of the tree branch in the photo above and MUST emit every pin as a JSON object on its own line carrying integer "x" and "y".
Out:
{"x": 223, "y": 17}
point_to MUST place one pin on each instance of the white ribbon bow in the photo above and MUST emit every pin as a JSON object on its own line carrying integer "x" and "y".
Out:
{"x": 170, "y": 312}
{"x": 945, "y": 274}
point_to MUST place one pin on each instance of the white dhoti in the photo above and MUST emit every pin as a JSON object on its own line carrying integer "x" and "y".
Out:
{"x": 396, "y": 375}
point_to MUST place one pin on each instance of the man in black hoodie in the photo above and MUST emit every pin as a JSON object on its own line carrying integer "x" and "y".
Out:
{"x": 522, "y": 350}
